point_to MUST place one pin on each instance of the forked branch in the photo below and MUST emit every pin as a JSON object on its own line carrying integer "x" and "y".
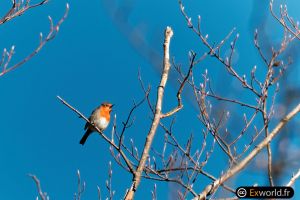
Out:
{"x": 210, "y": 189}
{"x": 7, "y": 55}
{"x": 157, "y": 116}
{"x": 18, "y": 8}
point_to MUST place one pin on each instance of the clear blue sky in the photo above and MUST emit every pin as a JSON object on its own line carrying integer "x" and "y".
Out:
{"x": 89, "y": 62}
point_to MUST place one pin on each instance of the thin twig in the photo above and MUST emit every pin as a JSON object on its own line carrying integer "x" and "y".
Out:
{"x": 179, "y": 100}
{"x": 293, "y": 179}
{"x": 80, "y": 187}
{"x": 43, "y": 41}
{"x": 19, "y": 9}
{"x": 43, "y": 195}
{"x": 210, "y": 189}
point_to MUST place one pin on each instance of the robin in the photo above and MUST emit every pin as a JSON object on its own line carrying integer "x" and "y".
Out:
{"x": 100, "y": 117}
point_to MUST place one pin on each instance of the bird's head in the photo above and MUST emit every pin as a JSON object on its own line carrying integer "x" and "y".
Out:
{"x": 107, "y": 107}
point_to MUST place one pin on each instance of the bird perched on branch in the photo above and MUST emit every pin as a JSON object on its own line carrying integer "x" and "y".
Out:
{"x": 100, "y": 118}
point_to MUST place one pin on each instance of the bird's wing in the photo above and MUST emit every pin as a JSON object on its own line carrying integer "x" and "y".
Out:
{"x": 92, "y": 117}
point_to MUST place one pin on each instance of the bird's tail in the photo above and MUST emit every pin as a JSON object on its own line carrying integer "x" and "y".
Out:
{"x": 85, "y": 136}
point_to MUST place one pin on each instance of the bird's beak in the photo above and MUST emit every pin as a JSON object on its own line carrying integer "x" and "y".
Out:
{"x": 110, "y": 108}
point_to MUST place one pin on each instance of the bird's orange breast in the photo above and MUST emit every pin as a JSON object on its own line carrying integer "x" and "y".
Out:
{"x": 105, "y": 112}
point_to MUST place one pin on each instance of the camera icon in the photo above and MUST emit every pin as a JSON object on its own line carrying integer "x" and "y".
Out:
{"x": 241, "y": 192}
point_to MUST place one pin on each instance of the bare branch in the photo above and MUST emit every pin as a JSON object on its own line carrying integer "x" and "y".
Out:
{"x": 179, "y": 101}
{"x": 157, "y": 116}
{"x": 214, "y": 51}
{"x": 80, "y": 187}
{"x": 153, "y": 192}
{"x": 18, "y": 9}
{"x": 108, "y": 183}
{"x": 43, "y": 195}
{"x": 51, "y": 35}
{"x": 237, "y": 168}
{"x": 283, "y": 22}
{"x": 99, "y": 192}
{"x": 293, "y": 179}
{"x": 125, "y": 124}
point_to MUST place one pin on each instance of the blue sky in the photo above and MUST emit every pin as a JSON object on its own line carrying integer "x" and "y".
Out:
{"x": 92, "y": 61}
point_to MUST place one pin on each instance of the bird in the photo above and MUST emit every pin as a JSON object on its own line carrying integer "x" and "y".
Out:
{"x": 100, "y": 118}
